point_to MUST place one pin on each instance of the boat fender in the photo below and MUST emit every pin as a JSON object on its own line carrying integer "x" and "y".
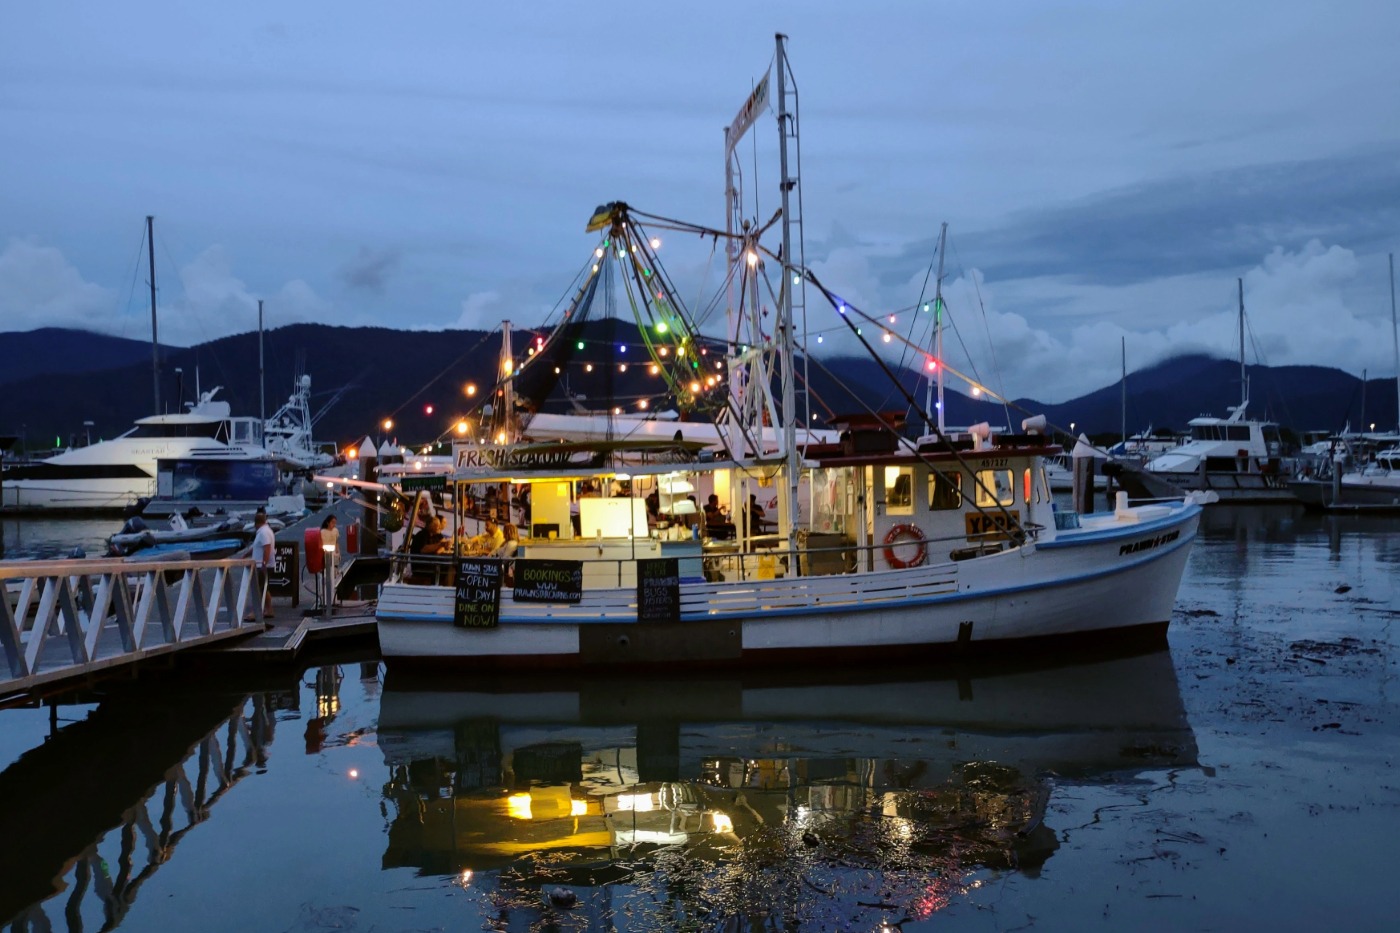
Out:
{"x": 912, "y": 532}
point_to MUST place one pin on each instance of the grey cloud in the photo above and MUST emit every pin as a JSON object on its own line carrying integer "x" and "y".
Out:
{"x": 370, "y": 269}
{"x": 1189, "y": 224}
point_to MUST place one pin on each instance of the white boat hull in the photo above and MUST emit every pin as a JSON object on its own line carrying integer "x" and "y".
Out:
{"x": 1122, "y": 579}
{"x": 1234, "y": 486}
{"x": 74, "y": 495}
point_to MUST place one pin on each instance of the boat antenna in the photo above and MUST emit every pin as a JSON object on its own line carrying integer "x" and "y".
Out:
{"x": 155, "y": 337}
{"x": 1123, "y": 424}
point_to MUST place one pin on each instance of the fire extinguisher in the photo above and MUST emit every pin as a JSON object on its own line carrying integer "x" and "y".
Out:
{"x": 352, "y": 538}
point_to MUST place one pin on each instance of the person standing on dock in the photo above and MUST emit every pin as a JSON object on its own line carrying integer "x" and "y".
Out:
{"x": 262, "y": 562}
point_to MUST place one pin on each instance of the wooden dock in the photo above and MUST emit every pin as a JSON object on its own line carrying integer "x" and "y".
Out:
{"x": 291, "y": 632}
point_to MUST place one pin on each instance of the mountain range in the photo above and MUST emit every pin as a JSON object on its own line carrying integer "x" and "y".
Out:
{"x": 52, "y": 381}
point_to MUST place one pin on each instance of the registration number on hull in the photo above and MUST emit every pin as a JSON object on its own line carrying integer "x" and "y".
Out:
{"x": 991, "y": 526}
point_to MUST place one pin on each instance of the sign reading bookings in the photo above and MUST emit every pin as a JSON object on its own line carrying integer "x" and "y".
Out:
{"x": 477, "y": 601}
{"x": 548, "y": 581}
{"x": 659, "y": 590}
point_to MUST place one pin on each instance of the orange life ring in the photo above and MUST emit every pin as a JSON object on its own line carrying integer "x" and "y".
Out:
{"x": 905, "y": 531}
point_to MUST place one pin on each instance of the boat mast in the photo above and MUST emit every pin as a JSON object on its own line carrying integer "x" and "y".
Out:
{"x": 506, "y": 434}
{"x": 938, "y": 330}
{"x": 1123, "y": 424}
{"x": 1244, "y": 384}
{"x": 262, "y": 383}
{"x": 785, "y": 323}
{"x": 1395, "y": 334}
{"x": 155, "y": 337}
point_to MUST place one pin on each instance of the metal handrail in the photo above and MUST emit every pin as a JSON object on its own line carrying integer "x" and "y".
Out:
{"x": 400, "y": 561}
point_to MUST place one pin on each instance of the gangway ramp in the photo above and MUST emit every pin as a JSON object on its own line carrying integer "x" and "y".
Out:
{"x": 67, "y": 619}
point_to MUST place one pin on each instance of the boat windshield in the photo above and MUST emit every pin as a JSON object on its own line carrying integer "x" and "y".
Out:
{"x": 1220, "y": 432}
{"x": 192, "y": 429}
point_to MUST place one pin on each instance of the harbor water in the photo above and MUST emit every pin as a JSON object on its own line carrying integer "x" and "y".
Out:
{"x": 1242, "y": 778}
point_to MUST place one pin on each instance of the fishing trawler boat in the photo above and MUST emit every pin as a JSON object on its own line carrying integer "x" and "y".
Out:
{"x": 878, "y": 546}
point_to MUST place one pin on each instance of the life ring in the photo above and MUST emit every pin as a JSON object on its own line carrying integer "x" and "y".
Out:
{"x": 905, "y": 531}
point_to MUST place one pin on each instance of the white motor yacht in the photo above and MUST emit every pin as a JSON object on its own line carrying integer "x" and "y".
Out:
{"x": 113, "y": 474}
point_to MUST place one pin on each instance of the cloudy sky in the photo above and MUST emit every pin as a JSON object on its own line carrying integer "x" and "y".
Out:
{"x": 1107, "y": 170}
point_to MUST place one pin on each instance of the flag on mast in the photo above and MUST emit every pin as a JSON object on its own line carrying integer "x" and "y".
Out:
{"x": 756, "y": 104}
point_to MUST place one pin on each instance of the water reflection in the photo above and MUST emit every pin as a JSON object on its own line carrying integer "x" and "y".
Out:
{"x": 639, "y": 806}
{"x": 96, "y": 810}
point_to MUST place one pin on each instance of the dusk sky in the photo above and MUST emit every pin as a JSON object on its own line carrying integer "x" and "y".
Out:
{"x": 1106, "y": 169}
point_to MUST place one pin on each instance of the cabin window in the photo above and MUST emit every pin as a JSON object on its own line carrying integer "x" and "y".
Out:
{"x": 833, "y": 498}
{"x": 995, "y": 487}
{"x": 899, "y": 490}
{"x": 1237, "y": 432}
{"x": 944, "y": 491}
{"x": 1042, "y": 486}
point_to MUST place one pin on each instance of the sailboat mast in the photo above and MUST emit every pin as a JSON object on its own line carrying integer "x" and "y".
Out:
{"x": 1123, "y": 425}
{"x": 262, "y": 383}
{"x": 785, "y": 313}
{"x": 155, "y": 336}
{"x": 1244, "y": 385}
{"x": 1395, "y": 334}
{"x": 938, "y": 330}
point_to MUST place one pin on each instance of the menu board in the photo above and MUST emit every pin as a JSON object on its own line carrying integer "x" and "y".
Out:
{"x": 477, "y": 601}
{"x": 549, "y": 581}
{"x": 283, "y": 580}
{"x": 659, "y": 590}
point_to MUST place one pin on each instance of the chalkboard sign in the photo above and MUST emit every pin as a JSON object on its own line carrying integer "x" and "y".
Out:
{"x": 283, "y": 580}
{"x": 477, "y": 602}
{"x": 659, "y": 590}
{"x": 549, "y": 581}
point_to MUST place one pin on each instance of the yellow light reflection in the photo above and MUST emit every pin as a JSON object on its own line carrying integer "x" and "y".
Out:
{"x": 723, "y": 824}
{"x": 578, "y": 808}
{"x": 518, "y": 806}
{"x": 638, "y": 803}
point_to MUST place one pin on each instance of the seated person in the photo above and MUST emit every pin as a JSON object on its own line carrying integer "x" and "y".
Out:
{"x": 653, "y": 501}
{"x": 691, "y": 518}
{"x": 510, "y": 543}
{"x": 488, "y": 541}
{"x": 714, "y": 513}
{"x": 428, "y": 540}
{"x": 756, "y": 517}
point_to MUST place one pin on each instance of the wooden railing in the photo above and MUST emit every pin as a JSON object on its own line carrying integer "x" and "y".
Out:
{"x": 68, "y": 618}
